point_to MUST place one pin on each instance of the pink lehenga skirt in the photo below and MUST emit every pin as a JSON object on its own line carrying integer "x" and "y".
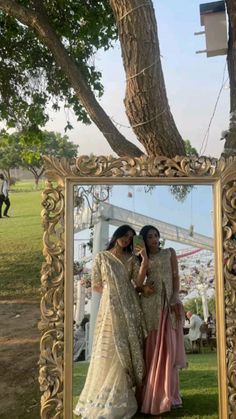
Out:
{"x": 164, "y": 356}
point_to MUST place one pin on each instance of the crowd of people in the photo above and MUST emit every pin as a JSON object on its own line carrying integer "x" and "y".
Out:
{"x": 4, "y": 196}
{"x": 138, "y": 345}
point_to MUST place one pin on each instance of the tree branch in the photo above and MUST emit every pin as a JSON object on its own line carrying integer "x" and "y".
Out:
{"x": 38, "y": 21}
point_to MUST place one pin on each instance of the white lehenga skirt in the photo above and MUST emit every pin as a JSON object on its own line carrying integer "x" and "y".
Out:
{"x": 107, "y": 393}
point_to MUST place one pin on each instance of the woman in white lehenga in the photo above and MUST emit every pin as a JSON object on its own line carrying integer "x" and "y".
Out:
{"x": 116, "y": 368}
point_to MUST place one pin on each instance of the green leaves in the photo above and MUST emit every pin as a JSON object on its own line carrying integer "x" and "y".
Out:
{"x": 26, "y": 148}
{"x": 9, "y": 152}
{"x": 30, "y": 81}
{"x": 181, "y": 192}
{"x": 36, "y": 144}
{"x": 190, "y": 150}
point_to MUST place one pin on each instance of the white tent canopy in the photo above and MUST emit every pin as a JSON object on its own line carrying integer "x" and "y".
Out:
{"x": 117, "y": 216}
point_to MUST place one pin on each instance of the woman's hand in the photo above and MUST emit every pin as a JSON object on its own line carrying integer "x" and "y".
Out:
{"x": 141, "y": 251}
{"x": 176, "y": 305}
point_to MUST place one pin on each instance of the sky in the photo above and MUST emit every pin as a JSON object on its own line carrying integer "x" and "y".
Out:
{"x": 160, "y": 204}
{"x": 193, "y": 82}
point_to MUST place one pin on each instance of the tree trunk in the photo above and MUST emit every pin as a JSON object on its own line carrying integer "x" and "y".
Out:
{"x": 7, "y": 173}
{"x": 36, "y": 179}
{"x": 37, "y": 174}
{"x": 146, "y": 100}
{"x": 38, "y": 21}
{"x": 230, "y": 143}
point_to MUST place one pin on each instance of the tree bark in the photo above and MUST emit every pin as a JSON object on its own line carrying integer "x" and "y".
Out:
{"x": 146, "y": 100}
{"x": 38, "y": 21}
{"x": 37, "y": 174}
{"x": 230, "y": 143}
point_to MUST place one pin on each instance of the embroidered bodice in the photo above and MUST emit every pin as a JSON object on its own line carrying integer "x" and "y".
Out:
{"x": 159, "y": 276}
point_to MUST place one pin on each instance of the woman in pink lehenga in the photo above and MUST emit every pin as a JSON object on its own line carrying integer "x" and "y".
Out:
{"x": 164, "y": 315}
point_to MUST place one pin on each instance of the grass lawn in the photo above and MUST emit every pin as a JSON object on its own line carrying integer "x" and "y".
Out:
{"x": 20, "y": 264}
{"x": 26, "y": 186}
{"x": 21, "y": 246}
{"x": 198, "y": 384}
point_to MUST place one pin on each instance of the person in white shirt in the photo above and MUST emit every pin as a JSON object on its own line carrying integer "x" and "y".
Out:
{"x": 4, "y": 198}
{"x": 194, "y": 330}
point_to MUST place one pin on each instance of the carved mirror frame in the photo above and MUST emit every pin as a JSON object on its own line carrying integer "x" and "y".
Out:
{"x": 55, "y": 375}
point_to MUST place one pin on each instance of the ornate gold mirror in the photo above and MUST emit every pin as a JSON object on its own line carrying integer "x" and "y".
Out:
{"x": 57, "y": 306}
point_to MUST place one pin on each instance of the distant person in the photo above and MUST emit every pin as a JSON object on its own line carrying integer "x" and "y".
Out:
{"x": 79, "y": 341}
{"x": 210, "y": 325}
{"x": 194, "y": 330}
{"x": 186, "y": 325}
{"x": 4, "y": 198}
{"x": 186, "y": 321}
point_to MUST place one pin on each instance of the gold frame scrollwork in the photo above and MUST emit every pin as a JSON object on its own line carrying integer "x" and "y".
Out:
{"x": 55, "y": 375}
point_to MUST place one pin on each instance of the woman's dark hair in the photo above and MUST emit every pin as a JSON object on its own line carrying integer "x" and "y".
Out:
{"x": 120, "y": 232}
{"x": 144, "y": 232}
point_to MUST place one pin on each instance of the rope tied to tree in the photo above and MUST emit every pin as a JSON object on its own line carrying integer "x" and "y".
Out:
{"x": 133, "y": 126}
{"x": 132, "y": 10}
{"x": 150, "y": 120}
{"x": 142, "y": 71}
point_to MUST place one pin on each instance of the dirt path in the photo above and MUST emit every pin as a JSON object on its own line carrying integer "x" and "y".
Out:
{"x": 19, "y": 354}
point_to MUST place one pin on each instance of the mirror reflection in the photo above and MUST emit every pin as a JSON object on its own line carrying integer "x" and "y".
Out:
{"x": 144, "y": 302}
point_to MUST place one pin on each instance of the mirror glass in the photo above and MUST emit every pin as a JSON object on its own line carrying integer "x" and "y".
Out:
{"x": 185, "y": 225}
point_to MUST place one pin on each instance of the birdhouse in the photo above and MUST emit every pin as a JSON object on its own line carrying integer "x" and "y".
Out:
{"x": 213, "y": 18}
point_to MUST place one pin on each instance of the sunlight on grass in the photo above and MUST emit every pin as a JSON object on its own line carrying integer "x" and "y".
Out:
{"x": 199, "y": 387}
